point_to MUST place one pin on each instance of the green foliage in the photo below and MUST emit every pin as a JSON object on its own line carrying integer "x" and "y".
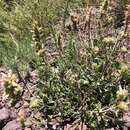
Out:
{"x": 86, "y": 80}
{"x": 16, "y": 25}
{"x": 84, "y": 89}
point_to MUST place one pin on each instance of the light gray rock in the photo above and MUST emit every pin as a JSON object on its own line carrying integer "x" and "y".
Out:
{"x": 12, "y": 125}
{"x": 4, "y": 115}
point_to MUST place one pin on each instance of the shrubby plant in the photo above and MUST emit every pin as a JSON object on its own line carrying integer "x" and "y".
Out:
{"x": 89, "y": 88}
{"x": 89, "y": 80}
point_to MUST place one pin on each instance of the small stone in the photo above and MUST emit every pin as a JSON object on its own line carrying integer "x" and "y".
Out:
{"x": 12, "y": 125}
{"x": 22, "y": 112}
{"x": 4, "y": 115}
{"x": 42, "y": 129}
{"x": 26, "y": 104}
{"x": 27, "y": 129}
{"x": 127, "y": 124}
{"x": 18, "y": 105}
{"x": 25, "y": 112}
{"x": 28, "y": 122}
{"x": 13, "y": 114}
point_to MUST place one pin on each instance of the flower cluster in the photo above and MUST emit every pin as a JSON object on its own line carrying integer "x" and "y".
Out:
{"x": 12, "y": 88}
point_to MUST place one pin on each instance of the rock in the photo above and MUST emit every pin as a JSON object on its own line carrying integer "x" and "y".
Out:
{"x": 27, "y": 129}
{"x": 28, "y": 122}
{"x": 13, "y": 114}
{"x": 18, "y": 105}
{"x": 126, "y": 118}
{"x": 25, "y": 112}
{"x": 26, "y": 104}
{"x": 42, "y": 129}
{"x": 12, "y": 125}
{"x": 127, "y": 124}
{"x": 2, "y": 103}
{"x": 4, "y": 115}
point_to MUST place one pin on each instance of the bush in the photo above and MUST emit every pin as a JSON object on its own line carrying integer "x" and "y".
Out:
{"x": 87, "y": 81}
